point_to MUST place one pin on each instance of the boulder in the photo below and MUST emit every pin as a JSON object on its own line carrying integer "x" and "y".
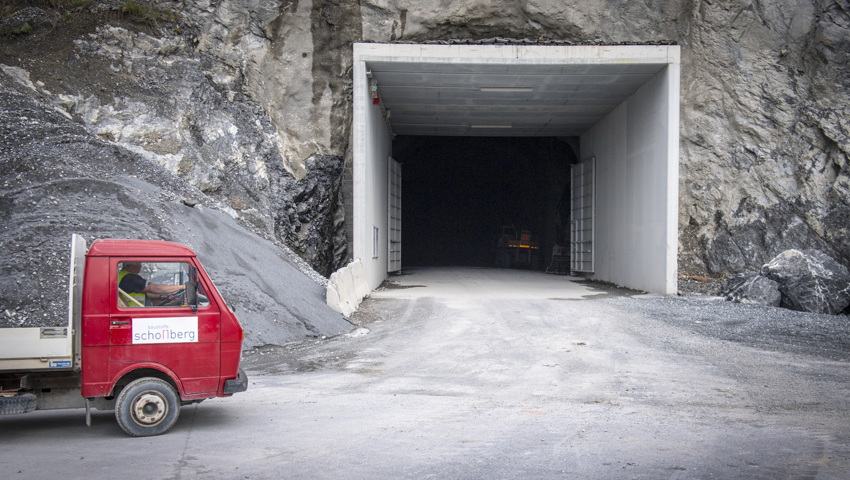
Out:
{"x": 751, "y": 287}
{"x": 810, "y": 281}
{"x": 733, "y": 284}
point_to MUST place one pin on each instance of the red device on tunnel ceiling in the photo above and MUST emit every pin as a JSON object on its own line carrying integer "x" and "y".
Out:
{"x": 376, "y": 99}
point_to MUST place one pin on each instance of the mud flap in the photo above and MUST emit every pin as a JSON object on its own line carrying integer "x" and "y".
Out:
{"x": 236, "y": 385}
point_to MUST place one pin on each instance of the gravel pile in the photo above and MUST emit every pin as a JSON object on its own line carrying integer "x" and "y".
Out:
{"x": 699, "y": 285}
{"x": 769, "y": 328}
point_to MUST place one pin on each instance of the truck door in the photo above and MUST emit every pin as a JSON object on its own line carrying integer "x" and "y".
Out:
{"x": 151, "y": 323}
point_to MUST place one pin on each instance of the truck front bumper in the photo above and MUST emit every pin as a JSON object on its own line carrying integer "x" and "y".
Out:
{"x": 236, "y": 385}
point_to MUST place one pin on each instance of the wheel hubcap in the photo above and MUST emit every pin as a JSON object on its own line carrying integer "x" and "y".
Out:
{"x": 149, "y": 409}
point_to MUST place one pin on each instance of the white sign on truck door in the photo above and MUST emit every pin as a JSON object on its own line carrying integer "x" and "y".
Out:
{"x": 165, "y": 330}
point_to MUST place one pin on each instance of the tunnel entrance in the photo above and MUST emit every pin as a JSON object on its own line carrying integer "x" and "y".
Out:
{"x": 454, "y": 144}
{"x": 464, "y": 196}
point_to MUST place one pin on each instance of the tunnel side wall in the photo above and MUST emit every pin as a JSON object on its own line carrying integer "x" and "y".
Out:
{"x": 372, "y": 148}
{"x": 637, "y": 187}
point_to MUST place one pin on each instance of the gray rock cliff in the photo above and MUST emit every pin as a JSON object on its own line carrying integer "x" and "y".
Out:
{"x": 250, "y": 103}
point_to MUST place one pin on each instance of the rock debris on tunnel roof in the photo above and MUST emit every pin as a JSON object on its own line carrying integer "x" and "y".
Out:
{"x": 526, "y": 41}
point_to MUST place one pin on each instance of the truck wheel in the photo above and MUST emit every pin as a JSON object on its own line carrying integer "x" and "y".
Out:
{"x": 147, "y": 406}
{"x": 21, "y": 403}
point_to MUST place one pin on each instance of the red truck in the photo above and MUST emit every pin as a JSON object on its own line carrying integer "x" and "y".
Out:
{"x": 143, "y": 352}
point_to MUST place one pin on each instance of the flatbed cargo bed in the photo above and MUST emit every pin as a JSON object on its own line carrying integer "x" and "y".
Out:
{"x": 49, "y": 348}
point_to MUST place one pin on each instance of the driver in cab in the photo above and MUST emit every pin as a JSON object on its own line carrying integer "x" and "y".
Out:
{"x": 136, "y": 291}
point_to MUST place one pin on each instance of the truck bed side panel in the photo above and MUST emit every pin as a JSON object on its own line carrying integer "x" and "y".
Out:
{"x": 28, "y": 349}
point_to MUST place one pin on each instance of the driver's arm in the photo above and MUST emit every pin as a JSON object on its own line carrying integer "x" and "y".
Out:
{"x": 158, "y": 288}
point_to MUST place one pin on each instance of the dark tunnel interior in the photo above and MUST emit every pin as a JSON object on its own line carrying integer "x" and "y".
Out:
{"x": 462, "y": 197}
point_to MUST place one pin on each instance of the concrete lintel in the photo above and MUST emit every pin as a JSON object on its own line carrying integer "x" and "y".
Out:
{"x": 518, "y": 54}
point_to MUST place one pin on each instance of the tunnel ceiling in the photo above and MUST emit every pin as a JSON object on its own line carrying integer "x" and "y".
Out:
{"x": 503, "y": 100}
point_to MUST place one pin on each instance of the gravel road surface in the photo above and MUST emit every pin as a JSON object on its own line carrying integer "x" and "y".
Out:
{"x": 475, "y": 373}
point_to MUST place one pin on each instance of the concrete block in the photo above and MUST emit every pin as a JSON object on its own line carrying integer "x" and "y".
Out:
{"x": 332, "y": 297}
{"x": 358, "y": 276}
{"x": 347, "y": 287}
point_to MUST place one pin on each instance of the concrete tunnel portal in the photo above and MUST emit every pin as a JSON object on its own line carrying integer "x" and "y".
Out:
{"x": 459, "y": 143}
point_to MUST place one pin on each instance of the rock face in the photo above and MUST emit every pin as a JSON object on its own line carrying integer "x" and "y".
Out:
{"x": 250, "y": 102}
{"x": 158, "y": 97}
{"x": 764, "y": 133}
{"x": 810, "y": 281}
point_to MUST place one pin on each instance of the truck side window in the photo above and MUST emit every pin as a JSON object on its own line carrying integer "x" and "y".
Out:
{"x": 153, "y": 284}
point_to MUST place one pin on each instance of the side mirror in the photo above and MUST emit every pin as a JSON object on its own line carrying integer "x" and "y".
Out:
{"x": 193, "y": 298}
{"x": 191, "y": 293}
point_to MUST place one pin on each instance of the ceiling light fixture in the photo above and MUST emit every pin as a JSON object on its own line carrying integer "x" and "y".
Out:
{"x": 508, "y": 89}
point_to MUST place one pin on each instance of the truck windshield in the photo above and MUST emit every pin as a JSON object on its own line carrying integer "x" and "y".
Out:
{"x": 155, "y": 284}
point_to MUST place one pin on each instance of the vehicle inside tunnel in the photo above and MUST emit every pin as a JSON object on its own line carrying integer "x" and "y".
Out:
{"x": 464, "y": 198}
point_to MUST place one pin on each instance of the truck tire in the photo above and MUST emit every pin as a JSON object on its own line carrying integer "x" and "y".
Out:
{"x": 15, "y": 404}
{"x": 146, "y": 407}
